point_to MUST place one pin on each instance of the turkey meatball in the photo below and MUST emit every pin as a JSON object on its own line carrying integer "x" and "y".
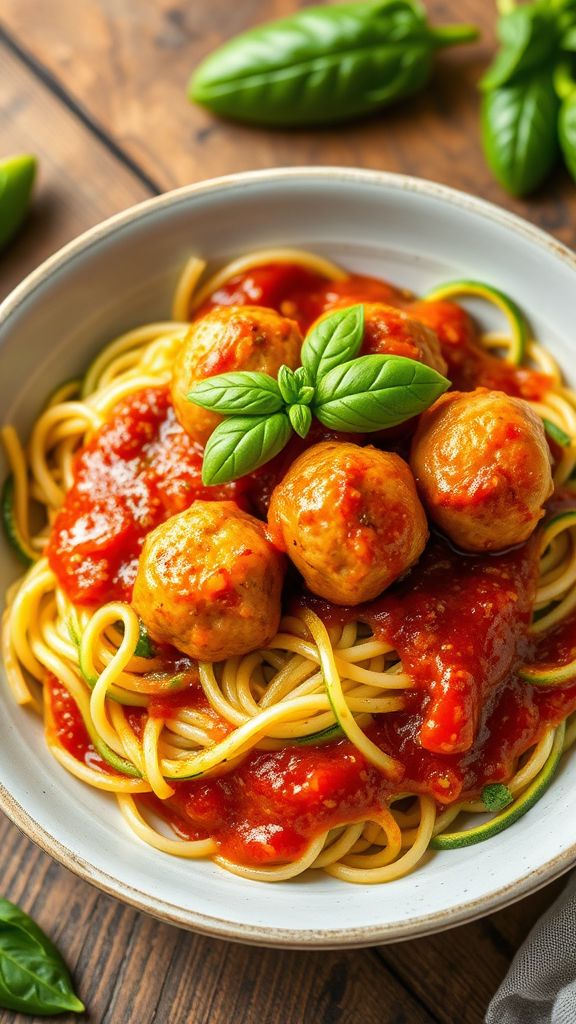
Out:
{"x": 350, "y": 520}
{"x": 209, "y": 582}
{"x": 228, "y": 339}
{"x": 482, "y": 467}
{"x": 391, "y": 331}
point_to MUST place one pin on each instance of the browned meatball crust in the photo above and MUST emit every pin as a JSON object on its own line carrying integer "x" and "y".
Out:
{"x": 350, "y": 520}
{"x": 209, "y": 582}
{"x": 482, "y": 467}
{"x": 391, "y": 331}
{"x": 228, "y": 339}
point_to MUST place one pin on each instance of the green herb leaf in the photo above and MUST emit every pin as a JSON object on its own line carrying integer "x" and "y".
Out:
{"x": 519, "y": 132}
{"x": 17, "y": 176}
{"x": 288, "y": 384}
{"x": 567, "y": 132}
{"x": 556, "y": 433}
{"x": 145, "y": 648}
{"x": 303, "y": 377}
{"x": 529, "y": 37}
{"x": 33, "y": 976}
{"x": 375, "y": 392}
{"x": 245, "y": 392}
{"x": 300, "y": 418}
{"x": 305, "y": 395}
{"x": 333, "y": 340}
{"x": 242, "y": 444}
{"x": 496, "y": 797}
{"x": 323, "y": 64}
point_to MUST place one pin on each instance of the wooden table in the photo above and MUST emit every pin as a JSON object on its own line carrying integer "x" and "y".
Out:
{"x": 96, "y": 89}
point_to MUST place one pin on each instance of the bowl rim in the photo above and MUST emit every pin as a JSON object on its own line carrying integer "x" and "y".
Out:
{"x": 206, "y": 924}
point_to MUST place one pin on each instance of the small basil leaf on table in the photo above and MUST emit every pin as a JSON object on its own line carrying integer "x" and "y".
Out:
{"x": 242, "y": 444}
{"x": 335, "y": 339}
{"x": 17, "y": 176}
{"x": 300, "y": 418}
{"x": 246, "y": 392}
{"x": 567, "y": 132}
{"x": 519, "y": 132}
{"x": 375, "y": 392}
{"x": 528, "y": 37}
{"x": 323, "y": 64}
{"x": 33, "y": 976}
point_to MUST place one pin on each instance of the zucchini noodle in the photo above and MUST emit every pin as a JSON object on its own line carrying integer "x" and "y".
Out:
{"x": 312, "y": 684}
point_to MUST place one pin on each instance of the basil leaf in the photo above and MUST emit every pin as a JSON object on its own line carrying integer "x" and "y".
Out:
{"x": 496, "y": 797}
{"x": 333, "y": 340}
{"x": 288, "y": 384}
{"x": 145, "y": 648}
{"x": 242, "y": 444}
{"x": 301, "y": 419}
{"x": 33, "y": 976}
{"x": 323, "y": 64}
{"x": 567, "y": 132}
{"x": 519, "y": 132}
{"x": 375, "y": 392}
{"x": 529, "y": 38}
{"x": 245, "y": 392}
{"x": 17, "y": 176}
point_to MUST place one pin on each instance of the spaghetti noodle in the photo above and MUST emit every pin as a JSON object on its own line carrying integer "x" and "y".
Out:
{"x": 295, "y": 756}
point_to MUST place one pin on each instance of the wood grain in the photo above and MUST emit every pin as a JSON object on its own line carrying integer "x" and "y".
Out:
{"x": 96, "y": 88}
{"x": 80, "y": 181}
{"x": 126, "y": 65}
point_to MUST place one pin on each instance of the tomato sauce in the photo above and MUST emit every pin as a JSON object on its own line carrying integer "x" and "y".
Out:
{"x": 139, "y": 469}
{"x": 65, "y": 725}
{"x": 459, "y": 622}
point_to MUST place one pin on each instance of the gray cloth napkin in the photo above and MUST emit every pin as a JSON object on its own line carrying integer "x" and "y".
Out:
{"x": 540, "y": 987}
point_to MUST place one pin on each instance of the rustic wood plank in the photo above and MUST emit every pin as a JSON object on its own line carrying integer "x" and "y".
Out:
{"x": 127, "y": 65}
{"x": 80, "y": 181}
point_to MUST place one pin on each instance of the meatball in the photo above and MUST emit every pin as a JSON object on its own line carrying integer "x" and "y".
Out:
{"x": 350, "y": 520}
{"x": 482, "y": 467}
{"x": 227, "y": 339}
{"x": 209, "y": 582}
{"x": 391, "y": 331}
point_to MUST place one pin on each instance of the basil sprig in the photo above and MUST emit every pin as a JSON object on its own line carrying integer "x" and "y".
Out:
{"x": 343, "y": 391}
{"x": 324, "y": 64}
{"x": 529, "y": 102}
{"x": 33, "y": 976}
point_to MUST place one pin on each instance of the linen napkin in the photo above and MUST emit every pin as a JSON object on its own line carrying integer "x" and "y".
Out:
{"x": 540, "y": 987}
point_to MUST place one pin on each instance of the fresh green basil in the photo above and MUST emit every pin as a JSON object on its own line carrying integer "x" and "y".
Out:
{"x": 567, "y": 132}
{"x": 145, "y": 648}
{"x": 17, "y": 176}
{"x": 323, "y": 64}
{"x": 529, "y": 37}
{"x": 245, "y": 392}
{"x": 375, "y": 392}
{"x": 519, "y": 132}
{"x": 496, "y": 796}
{"x": 241, "y": 444}
{"x": 333, "y": 340}
{"x": 33, "y": 976}
{"x": 300, "y": 418}
{"x": 288, "y": 384}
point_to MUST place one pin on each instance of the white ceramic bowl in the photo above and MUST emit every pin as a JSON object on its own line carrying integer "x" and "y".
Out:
{"x": 122, "y": 273}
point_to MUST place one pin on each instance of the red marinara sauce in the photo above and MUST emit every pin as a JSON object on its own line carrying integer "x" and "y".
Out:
{"x": 295, "y": 292}
{"x": 138, "y": 469}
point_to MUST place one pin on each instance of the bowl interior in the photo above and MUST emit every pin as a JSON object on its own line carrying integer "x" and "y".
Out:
{"x": 123, "y": 275}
